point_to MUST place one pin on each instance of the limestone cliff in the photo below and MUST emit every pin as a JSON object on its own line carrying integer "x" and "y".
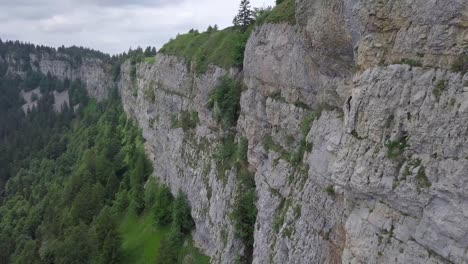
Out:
{"x": 92, "y": 71}
{"x": 384, "y": 180}
{"x": 356, "y": 118}
{"x": 158, "y": 96}
{"x": 356, "y": 127}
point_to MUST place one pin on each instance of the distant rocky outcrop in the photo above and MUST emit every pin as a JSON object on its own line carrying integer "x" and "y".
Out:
{"x": 94, "y": 73}
{"x": 30, "y": 98}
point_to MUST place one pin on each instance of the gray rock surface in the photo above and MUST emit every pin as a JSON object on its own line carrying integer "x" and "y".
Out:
{"x": 61, "y": 100}
{"x": 430, "y": 32}
{"x": 159, "y": 94}
{"x": 30, "y": 99}
{"x": 361, "y": 198}
{"x": 357, "y": 158}
{"x": 94, "y": 73}
{"x": 381, "y": 177}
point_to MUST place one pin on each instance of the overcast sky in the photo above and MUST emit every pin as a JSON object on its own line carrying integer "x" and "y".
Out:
{"x": 111, "y": 26}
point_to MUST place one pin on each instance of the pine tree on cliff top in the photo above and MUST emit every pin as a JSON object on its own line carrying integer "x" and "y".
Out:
{"x": 245, "y": 16}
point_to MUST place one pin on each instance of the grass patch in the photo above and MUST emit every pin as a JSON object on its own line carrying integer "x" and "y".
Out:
{"x": 396, "y": 148}
{"x": 411, "y": 62}
{"x": 439, "y": 89}
{"x": 269, "y": 144}
{"x": 186, "y": 120}
{"x": 301, "y": 105}
{"x": 308, "y": 121}
{"x": 281, "y": 215}
{"x": 161, "y": 234}
{"x": 297, "y": 157}
{"x": 190, "y": 254}
{"x": 276, "y": 96}
{"x": 421, "y": 177}
{"x": 460, "y": 64}
{"x": 140, "y": 238}
{"x": 149, "y": 60}
{"x": 224, "y": 48}
{"x": 227, "y": 150}
{"x": 150, "y": 95}
{"x": 304, "y": 146}
{"x": 297, "y": 211}
{"x": 330, "y": 190}
{"x": 283, "y": 12}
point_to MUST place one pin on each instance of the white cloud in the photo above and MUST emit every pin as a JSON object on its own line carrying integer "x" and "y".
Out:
{"x": 111, "y": 26}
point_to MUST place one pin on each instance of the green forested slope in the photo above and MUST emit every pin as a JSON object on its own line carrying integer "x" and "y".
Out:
{"x": 73, "y": 186}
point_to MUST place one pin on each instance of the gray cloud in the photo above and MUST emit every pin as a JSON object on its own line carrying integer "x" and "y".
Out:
{"x": 111, "y": 25}
{"x": 151, "y": 3}
{"x": 25, "y": 3}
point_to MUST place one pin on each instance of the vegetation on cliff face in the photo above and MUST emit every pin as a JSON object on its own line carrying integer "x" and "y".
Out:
{"x": 224, "y": 48}
{"x": 283, "y": 12}
{"x": 225, "y": 102}
{"x": 232, "y": 155}
{"x": 244, "y": 213}
{"x": 460, "y": 64}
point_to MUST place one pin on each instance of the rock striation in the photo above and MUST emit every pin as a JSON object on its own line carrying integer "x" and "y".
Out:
{"x": 357, "y": 129}
{"x": 157, "y": 97}
{"x": 94, "y": 73}
{"x": 366, "y": 157}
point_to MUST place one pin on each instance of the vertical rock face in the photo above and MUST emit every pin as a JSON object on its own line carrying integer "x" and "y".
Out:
{"x": 94, "y": 73}
{"x": 297, "y": 221}
{"x": 383, "y": 179}
{"x": 358, "y": 158}
{"x": 351, "y": 166}
{"x": 431, "y": 32}
{"x": 159, "y": 97}
{"x": 416, "y": 186}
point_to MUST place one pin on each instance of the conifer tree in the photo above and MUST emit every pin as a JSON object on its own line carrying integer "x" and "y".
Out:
{"x": 245, "y": 16}
{"x": 147, "y": 51}
{"x": 163, "y": 207}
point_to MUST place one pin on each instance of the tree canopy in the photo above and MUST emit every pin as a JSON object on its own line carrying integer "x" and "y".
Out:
{"x": 245, "y": 16}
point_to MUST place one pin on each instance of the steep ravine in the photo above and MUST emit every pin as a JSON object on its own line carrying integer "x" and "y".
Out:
{"x": 367, "y": 106}
{"x": 356, "y": 123}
